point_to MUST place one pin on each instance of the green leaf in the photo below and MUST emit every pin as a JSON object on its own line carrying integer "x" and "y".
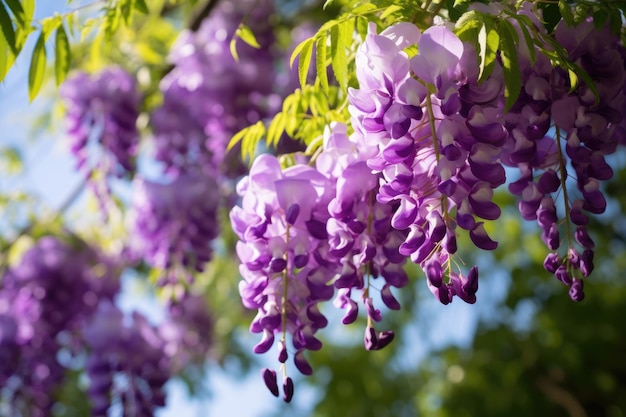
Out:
{"x": 489, "y": 42}
{"x": 4, "y": 58}
{"x": 320, "y": 63}
{"x": 11, "y": 160}
{"x": 233, "y": 48}
{"x": 566, "y": 12}
{"x": 460, "y": 2}
{"x": 525, "y": 23}
{"x": 599, "y": 18}
{"x": 510, "y": 64}
{"x": 49, "y": 25}
{"x": 493, "y": 43}
{"x": 126, "y": 9}
{"x": 363, "y": 9}
{"x": 112, "y": 20}
{"x": 340, "y": 40}
{"x": 246, "y": 35}
{"x": 297, "y": 51}
{"x": 276, "y": 129}
{"x": 37, "y": 68}
{"x": 615, "y": 22}
{"x": 389, "y": 10}
{"x": 29, "y": 9}
{"x": 305, "y": 60}
{"x": 17, "y": 10}
{"x": 7, "y": 29}
{"x": 237, "y": 137}
{"x": 142, "y": 7}
{"x": 251, "y": 139}
{"x": 62, "y": 56}
{"x": 468, "y": 25}
{"x": 328, "y": 26}
{"x": 589, "y": 82}
{"x": 327, "y": 3}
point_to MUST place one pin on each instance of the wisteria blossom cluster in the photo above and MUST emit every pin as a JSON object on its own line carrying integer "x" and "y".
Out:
{"x": 45, "y": 301}
{"x": 306, "y": 232}
{"x": 560, "y": 136}
{"x": 59, "y": 300}
{"x": 126, "y": 364}
{"x": 175, "y": 222}
{"x": 102, "y": 111}
{"x": 437, "y": 150}
{"x": 209, "y": 96}
{"x": 429, "y": 146}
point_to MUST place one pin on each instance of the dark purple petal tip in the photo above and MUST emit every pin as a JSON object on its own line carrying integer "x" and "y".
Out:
{"x": 269, "y": 377}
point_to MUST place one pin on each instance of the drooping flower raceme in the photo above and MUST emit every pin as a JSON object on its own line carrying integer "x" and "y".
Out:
{"x": 208, "y": 95}
{"x": 304, "y": 232}
{"x": 282, "y": 226}
{"x": 437, "y": 151}
{"x": 102, "y": 111}
{"x": 44, "y": 302}
{"x": 126, "y": 364}
{"x": 553, "y": 127}
{"x": 360, "y": 238}
{"x": 175, "y": 223}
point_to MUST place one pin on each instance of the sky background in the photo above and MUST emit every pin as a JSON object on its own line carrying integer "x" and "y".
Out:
{"x": 49, "y": 173}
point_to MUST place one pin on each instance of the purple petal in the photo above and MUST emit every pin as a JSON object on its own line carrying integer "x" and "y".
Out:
{"x": 481, "y": 239}
{"x": 287, "y": 389}
{"x": 370, "y": 339}
{"x": 385, "y": 338}
{"x": 388, "y": 298}
{"x": 302, "y": 364}
{"x": 266, "y": 342}
{"x": 269, "y": 376}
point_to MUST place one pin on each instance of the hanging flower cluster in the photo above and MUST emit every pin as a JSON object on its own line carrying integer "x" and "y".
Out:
{"x": 44, "y": 302}
{"x": 58, "y": 300}
{"x": 209, "y": 96}
{"x": 126, "y": 364}
{"x": 102, "y": 111}
{"x": 560, "y": 136}
{"x": 174, "y": 223}
{"x": 429, "y": 147}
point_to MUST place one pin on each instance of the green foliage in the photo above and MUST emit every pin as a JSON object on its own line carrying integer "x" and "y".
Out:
{"x": 510, "y": 64}
{"x": 245, "y": 34}
{"x": 37, "y": 67}
{"x": 17, "y": 24}
{"x": 63, "y": 55}
{"x": 11, "y": 161}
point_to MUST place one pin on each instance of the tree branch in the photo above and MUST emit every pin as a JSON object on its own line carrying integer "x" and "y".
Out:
{"x": 202, "y": 14}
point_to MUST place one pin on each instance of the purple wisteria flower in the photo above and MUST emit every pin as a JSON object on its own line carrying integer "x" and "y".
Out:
{"x": 175, "y": 223}
{"x": 209, "y": 96}
{"x": 102, "y": 111}
{"x": 126, "y": 363}
{"x": 281, "y": 224}
{"x": 305, "y": 232}
{"x": 187, "y": 332}
{"x": 360, "y": 238}
{"x": 438, "y": 136}
{"x": 44, "y": 302}
{"x": 552, "y": 127}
